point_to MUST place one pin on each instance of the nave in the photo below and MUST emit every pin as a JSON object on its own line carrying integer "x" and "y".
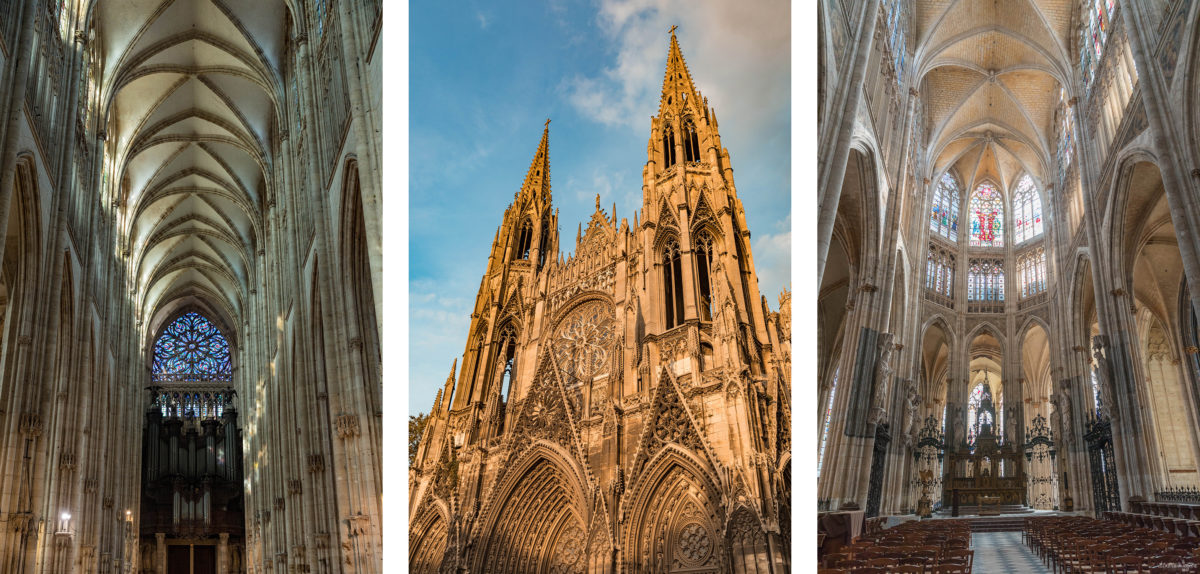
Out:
{"x": 189, "y": 286}
{"x": 1007, "y": 236}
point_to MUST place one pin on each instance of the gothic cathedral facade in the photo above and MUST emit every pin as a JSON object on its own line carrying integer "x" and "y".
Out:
{"x": 626, "y": 408}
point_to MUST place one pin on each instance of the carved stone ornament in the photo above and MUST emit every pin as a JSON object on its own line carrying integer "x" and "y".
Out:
{"x": 347, "y": 426}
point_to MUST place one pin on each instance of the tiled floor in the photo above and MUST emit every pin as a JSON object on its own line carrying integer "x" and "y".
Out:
{"x": 1002, "y": 553}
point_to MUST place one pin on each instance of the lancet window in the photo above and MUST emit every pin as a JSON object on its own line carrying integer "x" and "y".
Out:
{"x": 507, "y": 355}
{"x": 828, "y": 417}
{"x": 691, "y": 142}
{"x": 977, "y": 417}
{"x": 985, "y": 280}
{"x": 895, "y": 14}
{"x": 1027, "y": 211}
{"x": 939, "y": 271}
{"x": 1094, "y": 33}
{"x": 943, "y": 218}
{"x": 1066, "y": 135}
{"x": 987, "y": 217}
{"x": 668, "y": 146}
{"x": 673, "y": 283}
{"x": 1031, "y": 272}
{"x": 524, "y": 240}
{"x": 704, "y": 258}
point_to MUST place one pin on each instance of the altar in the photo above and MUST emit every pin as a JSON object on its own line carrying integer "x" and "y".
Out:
{"x": 989, "y": 472}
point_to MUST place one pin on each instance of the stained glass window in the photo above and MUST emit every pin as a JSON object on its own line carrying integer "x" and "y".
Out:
{"x": 943, "y": 217}
{"x": 894, "y": 12}
{"x": 1027, "y": 211}
{"x": 1094, "y": 34}
{"x": 987, "y": 217}
{"x": 985, "y": 280}
{"x": 828, "y": 417}
{"x": 1031, "y": 272}
{"x": 319, "y": 11}
{"x": 975, "y": 418}
{"x": 939, "y": 271}
{"x": 191, "y": 348}
{"x": 1066, "y": 135}
{"x": 1095, "y": 389}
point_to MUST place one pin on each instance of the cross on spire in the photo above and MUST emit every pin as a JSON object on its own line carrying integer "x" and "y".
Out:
{"x": 673, "y": 27}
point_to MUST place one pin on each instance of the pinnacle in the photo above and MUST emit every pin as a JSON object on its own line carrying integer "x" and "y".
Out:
{"x": 678, "y": 88}
{"x": 537, "y": 180}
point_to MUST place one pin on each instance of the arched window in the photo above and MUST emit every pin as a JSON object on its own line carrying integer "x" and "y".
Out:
{"x": 987, "y": 217}
{"x": 895, "y": 13}
{"x": 828, "y": 417}
{"x": 1031, "y": 272}
{"x": 1093, "y": 35}
{"x": 939, "y": 271}
{"x": 704, "y": 257}
{"x": 544, "y": 243}
{"x": 191, "y": 349}
{"x": 524, "y": 239}
{"x": 985, "y": 280}
{"x": 975, "y": 418}
{"x": 668, "y": 146}
{"x": 1066, "y": 135}
{"x": 673, "y": 283}
{"x": 943, "y": 218}
{"x": 1027, "y": 211}
{"x": 506, "y": 353}
{"x": 691, "y": 142}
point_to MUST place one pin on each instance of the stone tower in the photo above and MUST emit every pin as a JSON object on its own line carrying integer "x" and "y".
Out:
{"x": 625, "y": 407}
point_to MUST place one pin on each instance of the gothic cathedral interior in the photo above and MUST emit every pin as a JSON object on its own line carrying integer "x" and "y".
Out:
{"x": 1007, "y": 238}
{"x": 190, "y": 286}
{"x": 626, "y": 408}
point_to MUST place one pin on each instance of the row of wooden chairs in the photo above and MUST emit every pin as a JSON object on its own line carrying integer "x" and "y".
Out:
{"x": 927, "y": 547}
{"x": 1073, "y": 544}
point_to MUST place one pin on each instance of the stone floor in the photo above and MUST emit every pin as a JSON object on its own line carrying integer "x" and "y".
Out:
{"x": 1002, "y": 553}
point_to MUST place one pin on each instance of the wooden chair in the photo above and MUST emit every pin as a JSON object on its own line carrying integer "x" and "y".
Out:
{"x": 963, "y": 557}
{"x": 950, "y": 569}
{"x": 1125, "y": 565}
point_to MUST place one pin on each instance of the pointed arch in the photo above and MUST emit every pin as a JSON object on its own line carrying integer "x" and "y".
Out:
{"x": 676, "y": 501}
{"x": 536, "y": 518}
{"x": 986, "y": 215}
{"x": 1026, "y": 211}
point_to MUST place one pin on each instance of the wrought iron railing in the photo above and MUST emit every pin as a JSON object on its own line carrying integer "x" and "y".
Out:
{"x": 1188, "y": 494}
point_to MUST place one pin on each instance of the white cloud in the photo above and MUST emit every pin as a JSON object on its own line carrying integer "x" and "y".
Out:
{"x": 439, "y": 331}
{"x": 484, "y": 20}
{"x": 773, "y": 262}
{"x": 735, "y": 51}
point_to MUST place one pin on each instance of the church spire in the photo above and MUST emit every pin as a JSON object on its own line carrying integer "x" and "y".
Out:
{"x": 537, "y": 180}
{"x": 678, "y": 91}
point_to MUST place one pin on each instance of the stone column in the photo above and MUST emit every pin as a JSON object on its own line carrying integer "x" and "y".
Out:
{"x": 835, "y": 143}
{"x": 223, "y": 554}
{"x": 160, "y": 553}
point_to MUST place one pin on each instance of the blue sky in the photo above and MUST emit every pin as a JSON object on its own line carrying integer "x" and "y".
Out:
{"x": 483, "y": 78}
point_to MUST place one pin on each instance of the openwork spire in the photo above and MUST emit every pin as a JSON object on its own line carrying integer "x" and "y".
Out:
{"x": 537, "y": 181}
{"x": 678, "y": 91}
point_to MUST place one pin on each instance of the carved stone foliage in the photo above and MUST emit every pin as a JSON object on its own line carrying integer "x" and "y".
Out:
{"x": 536, "y": 529}
{"x": 671, "y": 424}
{"x": 601, "y": 280}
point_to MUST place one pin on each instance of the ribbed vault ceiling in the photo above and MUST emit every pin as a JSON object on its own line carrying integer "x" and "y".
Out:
{"x": 990, "y": 73}
{"x": 191, "y": 85}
